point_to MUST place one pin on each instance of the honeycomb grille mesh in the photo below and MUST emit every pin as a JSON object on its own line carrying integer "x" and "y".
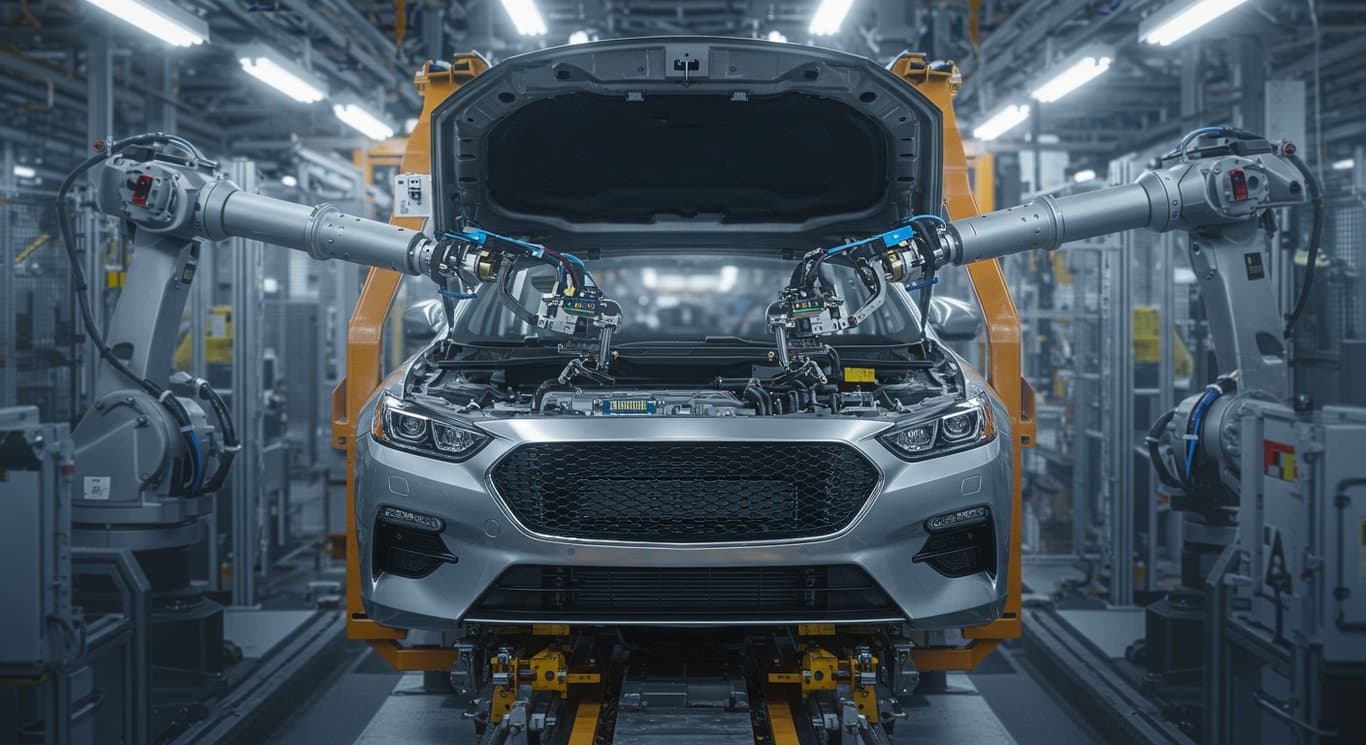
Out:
{"x": 685, "y": 492}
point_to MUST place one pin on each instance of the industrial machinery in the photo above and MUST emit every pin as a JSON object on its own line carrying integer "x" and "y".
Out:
{"x": 1223, "y": 191}
{"x": 77, "y": 675}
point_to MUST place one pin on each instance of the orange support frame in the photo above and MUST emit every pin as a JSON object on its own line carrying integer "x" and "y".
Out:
{"x": 364, "y": 371}
{"x": 1003, "y": 358}
{"x": 364, "y": 366}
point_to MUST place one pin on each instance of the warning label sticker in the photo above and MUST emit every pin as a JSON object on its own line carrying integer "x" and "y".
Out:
{"x": 96, "y": 487}
{"x": 1278, "y": 460}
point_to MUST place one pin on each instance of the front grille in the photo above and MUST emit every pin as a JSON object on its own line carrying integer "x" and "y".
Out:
{"x": 677, "y": 594}
{"x": 689, "y": 492}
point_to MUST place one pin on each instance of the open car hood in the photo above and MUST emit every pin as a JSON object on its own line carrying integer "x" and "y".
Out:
{"x": 672, "y": 142}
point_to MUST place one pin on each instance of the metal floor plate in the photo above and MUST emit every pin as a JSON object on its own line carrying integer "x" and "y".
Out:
{"x": 411, "y": 717}
{"x": 1110, "y": 629}
{"x": 258, "y": 631}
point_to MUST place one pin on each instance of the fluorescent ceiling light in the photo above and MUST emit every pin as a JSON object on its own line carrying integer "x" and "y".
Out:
{"x": 1081, "y": 69}
{"x": 1001, "y": 122}
{"x": 828, "y": 17}
{"x": 161, "y": 19}
{"x": 409, "y": 125}
{"x": 579, "y": 37}
{"x": 358, "y": 118}
{"x": 778, "y": 36}
{"x": 289, "y": 181}
{"x": 284, "y": 76}
{"x": 25, "y": 172}
{"x": 1084, "y": 175}
{"x": 525, "y": 17}
{"x": 1179, "y": 19}
{"x": 1346, "y": 164}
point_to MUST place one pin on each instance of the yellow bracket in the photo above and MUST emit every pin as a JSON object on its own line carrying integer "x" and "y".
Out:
{"x": 547, "y": 670}
{"x": 823, "y": 671}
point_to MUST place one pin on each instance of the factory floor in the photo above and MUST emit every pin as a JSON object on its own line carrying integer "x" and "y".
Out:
{"x": 366, "y": 702}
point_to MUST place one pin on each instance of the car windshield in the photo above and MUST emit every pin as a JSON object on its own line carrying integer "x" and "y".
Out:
{"x": 681, "y": 297}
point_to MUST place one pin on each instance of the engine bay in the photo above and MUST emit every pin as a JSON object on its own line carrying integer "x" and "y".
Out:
{"x": 662, "y": 381}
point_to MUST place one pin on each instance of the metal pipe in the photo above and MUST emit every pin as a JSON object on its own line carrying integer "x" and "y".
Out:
{"x": 1048, "y": 222}
{"x": 325, "y": 232}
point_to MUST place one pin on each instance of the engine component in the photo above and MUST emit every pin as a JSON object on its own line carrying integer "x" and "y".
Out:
{"x": 645, "y": 403}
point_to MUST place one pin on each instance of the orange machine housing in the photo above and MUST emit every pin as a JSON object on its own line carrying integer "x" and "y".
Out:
{"x": 365, "y": 355}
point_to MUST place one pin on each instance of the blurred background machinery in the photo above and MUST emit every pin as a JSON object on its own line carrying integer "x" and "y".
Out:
{"x": 1114, "y": 334}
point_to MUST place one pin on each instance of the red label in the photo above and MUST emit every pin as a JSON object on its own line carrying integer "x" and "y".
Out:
{"x": 141, "y": 189}
{"x": 1278, "y": 460}
{"x": 1238, "y": 179}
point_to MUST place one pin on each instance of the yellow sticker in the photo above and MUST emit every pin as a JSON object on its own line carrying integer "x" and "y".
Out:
{"x": 860, "y": 375}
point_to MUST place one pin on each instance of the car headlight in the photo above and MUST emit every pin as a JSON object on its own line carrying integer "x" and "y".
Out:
{"x": 404, "y": 426}
{"x": 965, "y": 425}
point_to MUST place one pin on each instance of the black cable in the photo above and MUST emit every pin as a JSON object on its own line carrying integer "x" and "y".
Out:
{"x": 1164, "y": 474}
{"x": 762, "y": 403}
{"x": 230, "y": 441}
{"x": 836, "y": 364}
{"x": 1315, "y": 237}
{"x": 505, "y": 275}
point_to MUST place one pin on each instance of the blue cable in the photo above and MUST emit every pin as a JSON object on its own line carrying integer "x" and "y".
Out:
{"x": 927, "y": 216}
{"x": 1201, "y": 406}
{"x": 847, "y": 246}
{"x": 576, "y": 261}
{"x": 889, "y": 239}
{"x": 1190, "y": 137}
{"x": 457, "y": 295}
{"x": 922, "y": 284}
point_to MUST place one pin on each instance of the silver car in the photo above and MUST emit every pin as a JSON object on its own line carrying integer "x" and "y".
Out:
{"x": 688, "y": 176}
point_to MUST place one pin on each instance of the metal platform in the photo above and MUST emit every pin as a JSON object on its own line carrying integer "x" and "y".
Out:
{"x": 412, "y": 716}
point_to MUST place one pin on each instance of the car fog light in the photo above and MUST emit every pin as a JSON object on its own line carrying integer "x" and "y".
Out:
{"x": 396, "y": 516}
{"x": 959, "y": 519}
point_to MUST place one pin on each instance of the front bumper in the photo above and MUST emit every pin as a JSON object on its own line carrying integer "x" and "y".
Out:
{"x": 488, "y": 540}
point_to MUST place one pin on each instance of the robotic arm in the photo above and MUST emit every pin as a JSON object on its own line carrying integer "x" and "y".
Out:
{"x": 170, "y": 198}
{"x": 1221, "y": 186}
{"x": 1222, "y": 194}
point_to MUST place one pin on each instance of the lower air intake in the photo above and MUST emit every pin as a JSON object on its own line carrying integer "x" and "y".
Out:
{"x": 688, "y": 595}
